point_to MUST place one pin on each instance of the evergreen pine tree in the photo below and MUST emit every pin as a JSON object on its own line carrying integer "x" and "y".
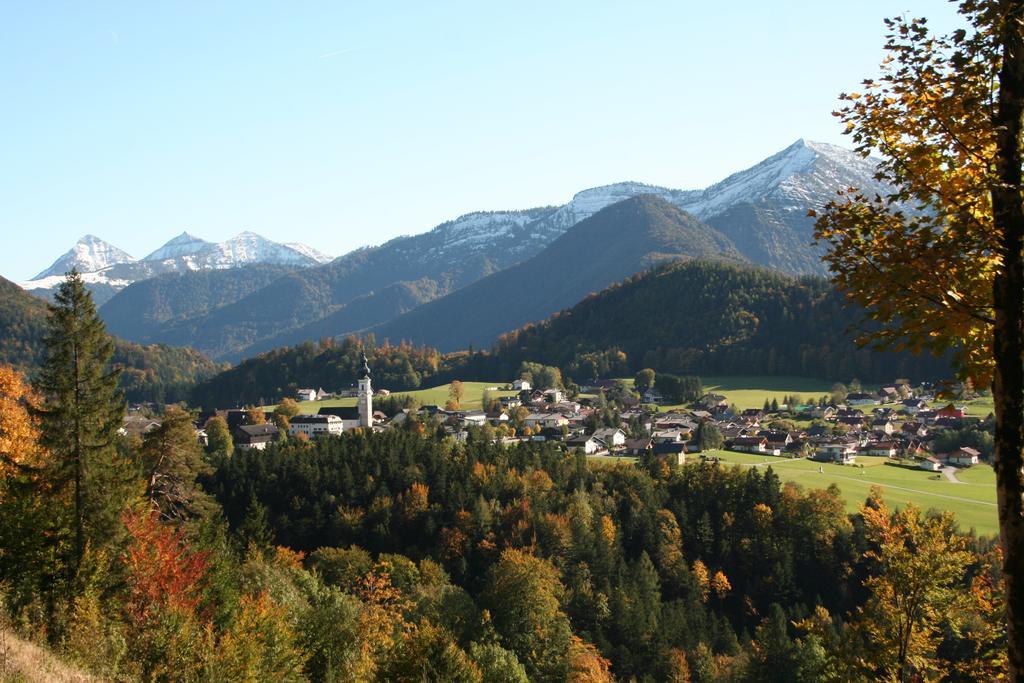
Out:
{"x": 172, "y": 459}
{"x": 81, "y": 414}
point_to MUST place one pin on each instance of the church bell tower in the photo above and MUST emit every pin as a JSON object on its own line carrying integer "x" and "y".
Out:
{"x": 365, "y": 400}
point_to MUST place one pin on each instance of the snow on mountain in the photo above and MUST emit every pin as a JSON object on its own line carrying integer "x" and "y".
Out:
{"x": 181, "y": 245}
{"x": 802, "y": 175}
{"x": 243, "y": 249}
{"x": 588, "y": 202}
{"x": 310, "y": 252}
{"x": 477, "y": 232}
{"x": 106, "y": 269}
{"x": 89, "y": 255}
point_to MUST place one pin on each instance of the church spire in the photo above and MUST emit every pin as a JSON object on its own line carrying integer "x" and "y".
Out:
{"x": 365, "y": 400}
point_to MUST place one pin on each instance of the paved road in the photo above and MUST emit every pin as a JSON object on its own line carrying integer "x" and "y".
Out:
{"x": 950, "y": 473}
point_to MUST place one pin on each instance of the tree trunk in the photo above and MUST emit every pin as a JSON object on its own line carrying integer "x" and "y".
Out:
{"x": 1008, "y": 333}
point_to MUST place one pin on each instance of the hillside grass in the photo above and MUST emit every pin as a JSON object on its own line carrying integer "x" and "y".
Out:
{"x": 973, "y": 501}
{"x": 24, "y": 662}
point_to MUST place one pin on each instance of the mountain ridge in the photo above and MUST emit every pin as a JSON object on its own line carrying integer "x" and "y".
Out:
{"x": 762, "y": 210}
{"x": 107, "y": 269}
{"x": 619, "y": 240}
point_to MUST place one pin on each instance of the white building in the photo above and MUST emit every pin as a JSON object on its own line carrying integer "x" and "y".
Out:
{"x": 521, "y": 385}
{"x": 611, "y": 436}
{"x": 315, "y": 426}
{"x": 365, "y": 399}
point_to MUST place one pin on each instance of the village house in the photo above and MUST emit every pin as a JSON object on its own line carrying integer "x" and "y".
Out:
{"x": 949, "y": 411}
{"x": 912, "y": 405}
{"x": 546, "y": 420}
{"x": 670, "y": 435}
{"x": 508, "y": 402}
{"x": 914, "y": 429}
{"x": 472, "y": 418}
{"x": 749, "y": 444}
{"x": 841, "y": 452}
{"x": 521, "y": 385}
{"x": 712, "y": 401}
{"x": 930, "y": 463}
{"x": 638, "y": 446}
{"x": 889, "y": 394}
{"x": 964, "y": 457}
{"x": 778, "y": 441}
{"x": 137, "y": 426}
{"x": 256, "y": 437}
{"x": 859, "y": 398}
{"x": 315, "y": 426}
{"x": 652, "y": 396}
{"x": 588, "y": 444}
{"x": 611, "y": 436}
{"x": 672, "y": 453}
{"x": 856, "y": 421}
{"x": 886, "y": 449}
{"x": 311, "y": 394}
{"x": 883, "y": 425}
{"x": 554, "y": 395}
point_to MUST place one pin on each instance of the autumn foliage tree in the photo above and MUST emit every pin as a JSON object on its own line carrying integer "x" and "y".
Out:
{"x": 920, "y": 566}
{"x": 162, "y": 571}
{"x": 19, "y": 428}
{"x": 939, "y": 260}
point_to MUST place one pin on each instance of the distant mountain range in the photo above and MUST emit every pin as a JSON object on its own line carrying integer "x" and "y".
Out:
{"x": 107, "y": 269}
{"x": 758, "y": 215}
{"x": 620, "y": 240}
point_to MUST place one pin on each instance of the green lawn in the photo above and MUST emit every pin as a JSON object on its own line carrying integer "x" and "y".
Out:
{"x": 981, "y": 407}
{"x": 472, "y": 393}
{"x": 748, "y": 391}
{"x": 973, "y": 501}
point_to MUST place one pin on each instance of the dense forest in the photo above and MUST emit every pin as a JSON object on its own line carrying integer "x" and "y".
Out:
{"x": 706, "y": 318}
{"x": 150, "y": 372}
{"x": 405, "y": 555}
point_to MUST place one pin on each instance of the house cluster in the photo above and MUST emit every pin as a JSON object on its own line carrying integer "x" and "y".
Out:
{"x": 866, "y": 424}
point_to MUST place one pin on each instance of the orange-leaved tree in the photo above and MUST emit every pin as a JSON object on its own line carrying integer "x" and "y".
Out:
{"x": 19, "y": 429}
{"x": 939, "y": 260}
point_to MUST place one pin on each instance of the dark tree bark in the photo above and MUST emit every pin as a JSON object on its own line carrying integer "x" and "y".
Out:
{"x": 1008, "y": 332}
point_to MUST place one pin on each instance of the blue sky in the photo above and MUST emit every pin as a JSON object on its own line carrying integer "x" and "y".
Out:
{"x": 342, "y": 124}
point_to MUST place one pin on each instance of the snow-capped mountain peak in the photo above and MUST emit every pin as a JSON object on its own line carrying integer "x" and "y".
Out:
{"x": 181, "y": 245}
{"x": 89, "y": 254}
{"x": 804, "y": 171}
{"x": 248, "y": 247}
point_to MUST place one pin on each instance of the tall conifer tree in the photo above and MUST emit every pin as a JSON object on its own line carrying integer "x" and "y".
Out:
{"x": 82, "y": 412}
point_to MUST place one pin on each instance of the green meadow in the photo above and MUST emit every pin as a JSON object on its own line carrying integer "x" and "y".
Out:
{"x": 973, "y": 501}
{"x": 471, "y": 397}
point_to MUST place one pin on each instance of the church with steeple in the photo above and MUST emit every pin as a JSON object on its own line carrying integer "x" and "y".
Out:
{"x": 365, "y": 399}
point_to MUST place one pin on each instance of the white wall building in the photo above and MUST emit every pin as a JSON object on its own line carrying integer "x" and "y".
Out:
{"x": 315, "y": 426}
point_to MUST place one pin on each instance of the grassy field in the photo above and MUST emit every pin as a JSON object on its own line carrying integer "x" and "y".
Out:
{"x": 973, "y": 501}
{"x": 980, "y": 407}
{"x": 748, "y": 391}
{"x": 472, "y": 393}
